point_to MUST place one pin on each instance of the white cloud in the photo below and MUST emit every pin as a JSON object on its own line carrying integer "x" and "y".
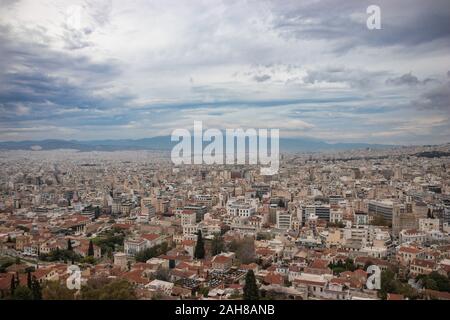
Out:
{"x": 150, "y": 66}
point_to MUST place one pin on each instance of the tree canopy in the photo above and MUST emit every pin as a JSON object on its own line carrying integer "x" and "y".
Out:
{"x": 152, "y": 252}
{"x": 104, "y": 289}
{"x": 199, "y": 252}
{"x": 251, "y": 291}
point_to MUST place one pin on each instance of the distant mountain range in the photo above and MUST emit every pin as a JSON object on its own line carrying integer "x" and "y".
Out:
{"x": 164, "y": 143}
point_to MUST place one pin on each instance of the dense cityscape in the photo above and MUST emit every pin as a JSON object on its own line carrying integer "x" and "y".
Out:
{"x": 224, "y": 159}
{"x": 138, "y": 227}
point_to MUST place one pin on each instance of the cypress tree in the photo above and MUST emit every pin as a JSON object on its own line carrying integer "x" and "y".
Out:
{"x": 69, "y": 245}
{"x": 91, "y": 249}
{"x": 199, "y": 252}
{"x": 251, "y": 291}
{"x": 13, "y": 285}
{"x": 216, "y": 245}
{"x": 17, "y": 279}
{"x": 29, "y": 282}
{"x": 36, "y": 289}
{"x": 96, "y": 212}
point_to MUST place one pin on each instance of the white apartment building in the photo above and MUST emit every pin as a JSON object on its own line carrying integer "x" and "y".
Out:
{"x": 427, "y": 225}
{"x": 416, "y": 236}
{"x": 160, "y": 286}
{"x": 190, "y": 229}
{"x": 361, "y": 218}
{"x": 133, "y": 246}
{"x": 188, "y": 217}
{"x": 241, "y": 207}
{"x": 204, "y": 199}
{"x": 383, "y": 208}
{"x": 336, "y": 215}
{"x": 284, "y": 219}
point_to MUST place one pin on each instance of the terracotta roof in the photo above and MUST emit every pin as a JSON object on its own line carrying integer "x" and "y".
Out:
{"x": 274, "y": 278}
{"x": 339, "y": 281}
{"x": 188, "y": 243}
{"x": 438, "y": 294}
{"x": 319, "y": 264}
{"x": 136, "y": 277}
{"x": 423, "y": 263}
{"x": 5, "y": 281}
{"x": 221, "y": 259}
{"x": 265, "y": 252}
{"x": 248, "y": 266}
{"x": 412, "y": 250}
{"x": 394, "y": 296}
{"x": 309, "y": 282}
{"x": 150, "y": 236}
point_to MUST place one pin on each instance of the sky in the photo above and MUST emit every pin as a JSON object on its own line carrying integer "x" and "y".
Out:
{"x": 89, "y": 70}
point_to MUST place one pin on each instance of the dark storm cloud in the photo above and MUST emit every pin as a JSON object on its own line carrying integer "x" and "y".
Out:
{"x": 406, "y": 79}
{"x": 437, "y": 98}
{"x": 409, "y": 79}
{"x": 261, "y": 78}
{"x": 357, "y": 78}
{"x": 404, "y": 23}
{"x": 39, "y": 83}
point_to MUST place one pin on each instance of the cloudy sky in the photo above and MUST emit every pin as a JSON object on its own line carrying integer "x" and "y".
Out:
{"x": 132, "y": 69}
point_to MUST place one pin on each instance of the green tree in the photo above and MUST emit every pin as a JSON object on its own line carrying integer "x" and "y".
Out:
{"x": 203, "y": 291}
{"x": 5, "y": 265}
{"x": 36, "y": 290}
{"x": 88, "y": 259}
{"x": 53, "y": 290}
{"x": 340, "y": 266}
{"x": 199, "y": 252}
{"x": 348, "y": 265}
{"x": 390, "y": 284}
{"x": 69, "y": 245}
{"x": 430, "y": 284}
{"x": 152, "y": 252}
{"x": 29, "y": 281}
{"x": 251, "y": 291}
{"x": 244, "y": 249}
{"x": 435, "y": 281}
{"x": 96, "y": 212}
{"x": 102, "y": 289}
{"x": 91, "y": 249}
{"x": 162, "y": 274}
{"x": 60, "y": 255}
{"x": 22, "y": 293}
{"x": 12, "y": 286}
{"x": 109, "y": 240}
{"x": 217, "y": 245}
{"x": 17, "y": 279}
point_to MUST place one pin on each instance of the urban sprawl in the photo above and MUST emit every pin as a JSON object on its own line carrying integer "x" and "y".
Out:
{"x": 138, "y": 227}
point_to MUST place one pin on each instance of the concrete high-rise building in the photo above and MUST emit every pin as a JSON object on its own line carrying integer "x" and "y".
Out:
{"x": 284, "y": 219}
